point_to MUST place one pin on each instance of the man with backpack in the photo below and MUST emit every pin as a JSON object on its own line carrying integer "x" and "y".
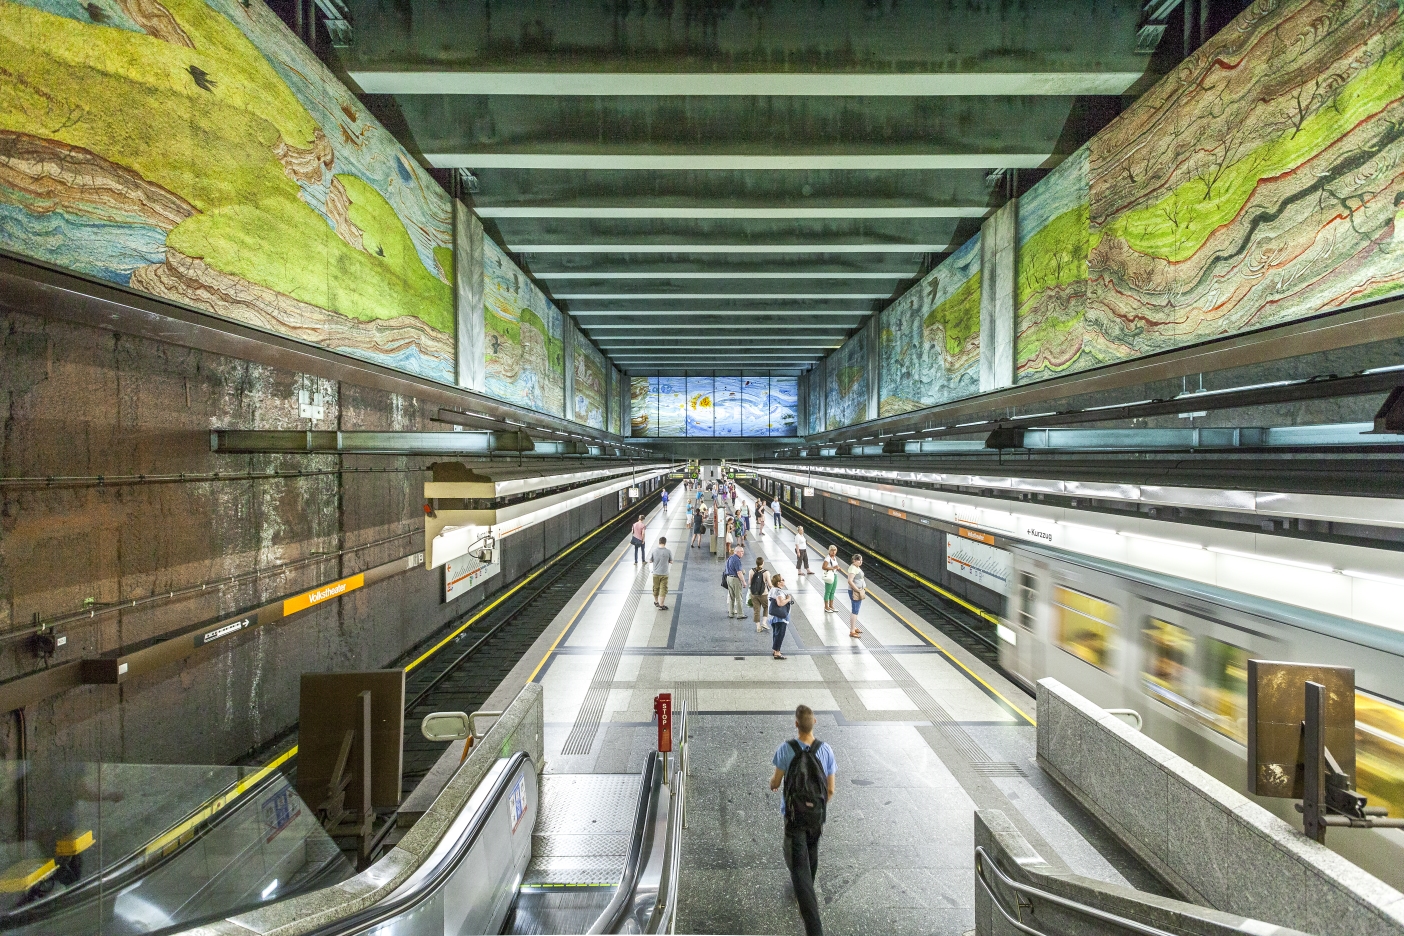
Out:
{"x": 805, "y": 767}
{"x": 760, "y": 588}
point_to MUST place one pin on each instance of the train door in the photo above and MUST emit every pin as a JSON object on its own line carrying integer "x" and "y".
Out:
{"x": 1029, "y": 649}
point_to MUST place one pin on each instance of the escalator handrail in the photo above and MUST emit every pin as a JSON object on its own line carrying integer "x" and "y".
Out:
{"x": 667, "y": 903}
{"x": 640, "y": 838}
{"x": 398, "y": 903}
{"x": 139, "y": 863}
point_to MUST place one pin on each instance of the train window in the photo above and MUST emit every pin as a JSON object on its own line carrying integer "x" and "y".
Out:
{"x": 1167, "y": 660}
{"x": 1028, "y": 593}
{"x": 1379, "y": 752}
{"x": 1223, "y": 692}
{"x": 1086, "y": 626}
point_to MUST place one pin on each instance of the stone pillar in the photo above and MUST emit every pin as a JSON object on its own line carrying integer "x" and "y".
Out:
{"x": 569, "y": 347}
{"x": 471, "y": 335}
{"x": 874, "y": 363}
{"x": 998, "y": 273}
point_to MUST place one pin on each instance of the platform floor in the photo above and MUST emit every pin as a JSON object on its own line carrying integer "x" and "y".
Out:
{"x": 923, "y": 733}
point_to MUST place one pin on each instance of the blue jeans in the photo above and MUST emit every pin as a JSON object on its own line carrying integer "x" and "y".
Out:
{"x": 777, "y": 632}
{"x": 638, "y": 552}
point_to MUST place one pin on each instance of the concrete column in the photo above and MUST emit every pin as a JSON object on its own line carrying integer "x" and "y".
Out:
{"x": 998, "y": 272}
{"x": 874, "y": 363}
{"x": 569, "y": 346}
{"x": 471, "y": 338}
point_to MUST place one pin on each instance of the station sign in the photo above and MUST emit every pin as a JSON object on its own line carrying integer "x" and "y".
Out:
{"x": 466, "y": 572}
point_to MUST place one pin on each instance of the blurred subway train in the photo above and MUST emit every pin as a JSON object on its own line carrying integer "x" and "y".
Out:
{"x": 1176, "y": 651}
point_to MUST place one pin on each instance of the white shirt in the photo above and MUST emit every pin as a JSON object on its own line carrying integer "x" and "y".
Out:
{"x": 801, "y": 542}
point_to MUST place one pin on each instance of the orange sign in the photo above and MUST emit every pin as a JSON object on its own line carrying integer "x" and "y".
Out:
{"x": 897, "y": 513}
{"x": 976, "y": 535}
{"x": 322, "y": 593}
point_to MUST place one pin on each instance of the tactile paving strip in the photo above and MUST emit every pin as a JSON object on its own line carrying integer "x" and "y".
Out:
{"x": 587, "y": 721}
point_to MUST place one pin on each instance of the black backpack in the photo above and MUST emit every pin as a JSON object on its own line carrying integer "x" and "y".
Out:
{"x": 758, "y": 582}
{"x": 806, "y": 788}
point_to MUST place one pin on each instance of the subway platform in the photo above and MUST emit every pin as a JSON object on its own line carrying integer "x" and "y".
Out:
{"x": 924, "y": 734}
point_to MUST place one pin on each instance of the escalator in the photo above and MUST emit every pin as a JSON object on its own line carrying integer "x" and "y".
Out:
{"x": 563, "y": 853}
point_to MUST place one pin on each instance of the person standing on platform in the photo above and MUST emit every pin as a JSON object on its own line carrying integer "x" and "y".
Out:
{"x": 740, "y": 527}
{"x": 662, "y": 559}
{"x": 727, "y": 531}
{"x": 857, "y": 591}
{"x": 775, "y": 513}
{"x": 760, "y": 587}
{"x": 760, "y": 517}
{"x": 698, "y": 525}
{"x": 639, "y": 531}
{"x": 665, "y": 500}
{"x": 801, "y": 553}
{"x": 831, "y": 568}
{"x": 780, "y": 603}
{"x": 806, "y": 767}
{"x": 746, "y": 515}
{"x": 735, "y": 585}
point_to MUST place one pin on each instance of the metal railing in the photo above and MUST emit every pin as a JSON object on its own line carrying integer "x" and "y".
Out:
{"x": 1016, "y": 920}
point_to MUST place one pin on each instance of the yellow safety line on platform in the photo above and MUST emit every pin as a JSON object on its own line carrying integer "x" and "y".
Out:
{"x": 939, "y": 590}
{"x": 576, "y": 616}
{"x": 947, "y": 654}
{"x": 288, "y": 754}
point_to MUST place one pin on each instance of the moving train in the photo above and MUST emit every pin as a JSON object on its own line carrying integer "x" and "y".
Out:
{"x": 1176, "y": 651}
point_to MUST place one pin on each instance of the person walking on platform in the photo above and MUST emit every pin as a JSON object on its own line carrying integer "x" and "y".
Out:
{"x": 857, "y": 591}
{"x": 727, "y": 531}
{"x": 639, "y": 531}
{"x": 739, "y": 527}
{"x": 760, "y": 587}
{"x": 735, "y": 585}
{"x": 760, "y": 517}
{"x": 830, "y": 576}
{"x": 805, "y": 767}
{"x": 665, "y": 500}
{"x": 775, "y": 513}
{"x": 780, "y": 603}
{"x": 801, "y": 553}
{"x": 746, "y": 515}
{"x": 697, "y": 526}
{"x": 662, "y": 559}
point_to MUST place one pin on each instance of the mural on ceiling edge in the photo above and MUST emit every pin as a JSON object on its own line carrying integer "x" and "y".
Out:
{"x": 1051, "y": 293}
{"x": 846, "y": 379}
{"x": 524, "y": 347}
{"x": 196, "y": 151}
{"x": 784, "y": 406}
{"x": 643, "y": 407}
{"x": 590, "y": 384}
{"x": 929, "y": 340}
{"x": 612, "y": 396}
{"x": 1260, "y": 182}
{"x": 814, "y": 399}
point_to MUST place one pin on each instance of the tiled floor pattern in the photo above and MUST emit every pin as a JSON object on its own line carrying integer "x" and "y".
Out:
{"x": 920, "y": 744}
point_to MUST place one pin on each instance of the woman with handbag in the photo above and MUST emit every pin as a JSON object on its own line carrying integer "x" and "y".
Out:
{"x": 780, "y": 603}
{"x": 830, "y": 576}
{"x": 857, "y": 591}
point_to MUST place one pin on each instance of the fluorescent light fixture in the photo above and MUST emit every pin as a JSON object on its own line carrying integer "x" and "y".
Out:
{"x": 1313, "y": 566}
{"x": 617, "y": 297}
{"x": 1105, "y": 531}
{"x": 1373, "y": 577}
{"x": 736, "y": 274}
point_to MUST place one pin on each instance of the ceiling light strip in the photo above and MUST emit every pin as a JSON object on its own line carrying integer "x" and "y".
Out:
{"x": 731, "y": 214}
{"x": 701, "y": 162}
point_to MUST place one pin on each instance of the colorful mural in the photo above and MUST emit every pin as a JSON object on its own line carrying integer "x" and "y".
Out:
{"x": 524, "y": 343}
{"x": 714, "y": 406}
{"x": 590, "y": 383}
{"x": 1051, "y": 293}
{"x": 846, "y": 375}
{"x": 814, "y": 401}
{"x": 1260, "y": 182}
{"x": 929, "y": 340}
{"x": 195, "y": 150}
{"x": 616, "y": 415}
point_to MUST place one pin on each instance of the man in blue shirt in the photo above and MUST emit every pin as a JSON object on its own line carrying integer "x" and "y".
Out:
{"x": 802, "y": 845}
{"x": 735, "y": 584}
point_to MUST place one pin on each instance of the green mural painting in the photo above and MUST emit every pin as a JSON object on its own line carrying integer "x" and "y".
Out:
{"x": 846, "y": 391}
{"x": 197, "y": 151}
{"x": 1051, "y": 291}
{"x": 590, "y": 384}
{"x": 1259, "y": 183}
{"x": 929, "y": 340}
{"x": 525, "y": 344}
